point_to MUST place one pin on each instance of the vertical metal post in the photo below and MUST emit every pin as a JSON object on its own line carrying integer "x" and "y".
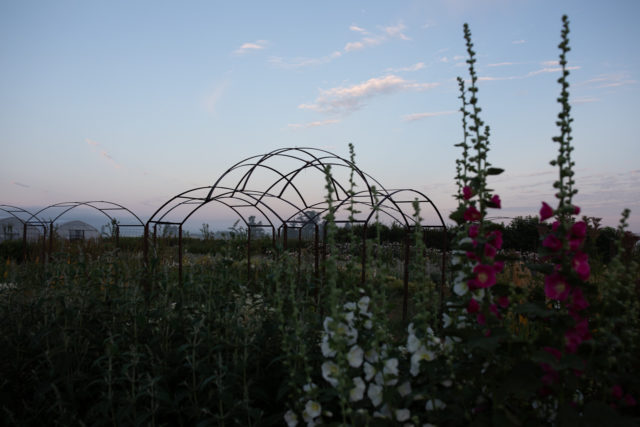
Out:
{"x": 117, "y": 236}
{"x": 299, "y": 249}
{"x": 284, "y": 236}
{"x": 180, "y": 255}
{"x": 146, "y": 282}
{"x": 445, "y": 247}
{"x": 50, "y": 239}
{"x": 405, "y": 298}
{"x": 315, "y": 252}
{"x": 24, "y": 241}
{"x": 248, "y": 253}
{"x": 364, "y": 254}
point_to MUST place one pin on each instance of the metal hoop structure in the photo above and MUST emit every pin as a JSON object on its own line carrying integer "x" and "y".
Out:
{"x": 104, "y": 207}
{"x": 24, "y": 217}
{"x": 275, "y": 186}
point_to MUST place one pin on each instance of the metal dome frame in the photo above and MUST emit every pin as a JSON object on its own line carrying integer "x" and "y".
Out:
{"x": 243, "y": 193}
{"x": 13, "y": 211}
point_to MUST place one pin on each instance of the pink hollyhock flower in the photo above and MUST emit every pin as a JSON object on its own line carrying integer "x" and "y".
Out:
{"x": 556, "y": 287}
{"x": 503, "y": 301}
{"x": 552, "y": 242}
{"x": 495, "y": 237}
{"x": 485, "y": 276}
{"x": 474, "y": 230}
{"x": 574, "y": 244}
{"x": 489, "y": 251}
{"x": 472, "y": 256}
{"x": 467, "y": 192}
{"x": 473, "y": 306}
{"x": 495, "y": 202}
{"x": 576, "y": 210}
{"x": 472, "y": 214}
{"x": 581, "y": 265}
{"x": 545, "y": 212}
{"x": 555, "y": 225}
{"x": 579, "y": 229}
{"x": 481, "y": 319}
{"x": 616, "y": 391}
{"x": 578, "y": 302}
{"x": 629, "y": 400}
{"x": 554, "y": 352}
{"x": 575, "y": 336}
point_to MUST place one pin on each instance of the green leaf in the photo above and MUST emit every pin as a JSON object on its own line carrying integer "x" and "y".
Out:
{"x": 494, "y": 171}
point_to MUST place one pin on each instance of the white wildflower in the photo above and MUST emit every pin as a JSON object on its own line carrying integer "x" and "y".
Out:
{"x": 460, "y": 288}
{"x": 329, "y": 372}
{"x": 368, "y": 324}
{"x": 291, "y": 418}
{"x": 402, "y": 415}
{"x": 446, "y": 320}
{"x": 313, "y": 408}
{"x": 375, "y": 394}
{"x": 371, "y": 356}
{"x": 421, "y": 354}
{"x": 327, "y": 351}
{"x": 354, "y": 356}
{"x": 435, "y": 404}
{"x": 350, "y": 306}
{"x": 413, "y": 343}
{"x": 357, "y": 392}
{"x": 404, "y": 389}
{"x": 369, "y": 371}
{"x": 363, "y": 304}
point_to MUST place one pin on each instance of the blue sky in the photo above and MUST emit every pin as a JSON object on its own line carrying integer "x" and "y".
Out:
{"x": 136, "y": 101}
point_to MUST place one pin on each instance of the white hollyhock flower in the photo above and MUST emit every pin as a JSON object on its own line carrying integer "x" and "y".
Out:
{"x": 402, "y": 415}
{"x": 384, "y": 412}
{"x": 357, "y": 392}
{"x": 327, "y": 325}
{"x": 371, "y": 356}
{"x": 446, "y": 320}
{"x": 368, "y": 324}
{"x": 363, "y": 304}
{"x": 411, "y": 329}
{"x": 447, "y": 383}
{"x": 460, "y": 288}
{"x": 313, "y": 408}
{"x": 308, "y": 387}
{"x": 350, "y": 306}
{"x": 291, "y": 418}
{"x": 329, "y": 372}
{"x": 325, "y": 346}
{"x": 421, "y": 354}
{"x": 413, "y": 343}
{"x": 354, "y": 356}
{"x": 404, "y": 389}
{"x": 391, "y": 370}
{"x": 435, "y": 404}
{"x": 375, "y": 394}
{"x": 369, "y": 371}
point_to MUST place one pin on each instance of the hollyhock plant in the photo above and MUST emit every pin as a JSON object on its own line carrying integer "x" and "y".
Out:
{"x": 472, "y": 214}
{"x": 581, "y": 265}
{"x": 485, "y": 276}
{"x": 556, "y": 287}
{"x": 552, "y": 243}
{"x": 546, "y": 212}
{"x": 495, "y": 202}
{"x": 467, "y": 192}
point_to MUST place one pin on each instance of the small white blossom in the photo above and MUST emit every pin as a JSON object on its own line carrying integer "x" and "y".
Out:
{"x": 446, "y": 320}
{"x": 329, "y": 372}
{"x": 291, "y": 418}
{"x": 391, "y": 370}
{"x": 368, "y": 324}
{"x": 369, "y": 371}
{"x": 384, "y": 412}
{"x": 371, "y": 356}
{"x": 447, "y": 383}
{"x": 354, "y": 356}
{"x": 327, "y": 351}
{"x": 413, "y": 343}
{"x": 357, "y": 392}
{"x": 404, "y": 389}
{"x": 435, "y": 404}
{"x": 313, "y": 408}
{"x": 308, "y": 387}
{"x": 363, "y": 304}
{"x": 421, "y": 354}
{"x": 375, "y": 394}
{"x": 460, "y": 288}
{"x": 350, "y": 306}
{"x": 327, "y": 324}
{"x": 402, "y": 415}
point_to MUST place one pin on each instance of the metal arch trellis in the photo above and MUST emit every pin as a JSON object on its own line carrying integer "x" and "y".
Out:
{"x": 96, "y": 205}
{"x": 24, "y": 216}
{"x": 246, "y": 194}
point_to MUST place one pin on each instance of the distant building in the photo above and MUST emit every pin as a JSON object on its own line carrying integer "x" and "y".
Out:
{"x": 12, "y": 229}
{"x": 77, "y": 230}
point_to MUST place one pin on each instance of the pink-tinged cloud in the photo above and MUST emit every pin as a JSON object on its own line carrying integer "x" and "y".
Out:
{"x": 251, "y": 47}
{"x": 348, "y": 99}
{"x": 19, "y": 184}
{"x": 313, "y": 124}
{"x": 103, "y": 153}
{"x": 419, "y": 116}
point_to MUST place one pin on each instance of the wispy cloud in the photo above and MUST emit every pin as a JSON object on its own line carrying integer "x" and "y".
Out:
{"x": 312, "y": 124}
{"x": 212, "y": 99}
{"x": 414, "y": 67}
{"x": 604, "y": 81}
{"x": 518, "y": 41}
{"x": 501, "y": 64}
{"x": 251, "y": 47}
{"x": 351, "y": 98}
{"x": 19, "y": 184}
{"x": 419, "y": 116}
{"x": 583, "y": 100}
{"x": 103, "y": 153}
{"x": 367, "y": 39}
{"x": 529, "y": 74}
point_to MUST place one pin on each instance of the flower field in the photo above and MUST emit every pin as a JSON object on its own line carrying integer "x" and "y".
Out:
{"x": 512, "y": 337}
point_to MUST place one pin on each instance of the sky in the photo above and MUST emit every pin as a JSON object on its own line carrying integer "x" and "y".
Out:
{"x": 134, "y": 102}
